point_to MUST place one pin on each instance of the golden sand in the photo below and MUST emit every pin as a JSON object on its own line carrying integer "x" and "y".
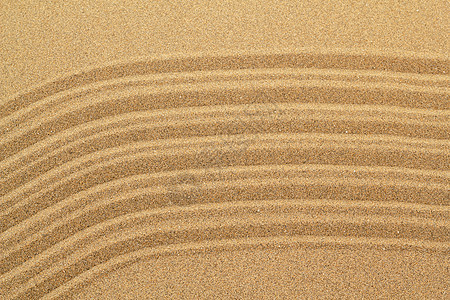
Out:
{"x": 220, "y": 150}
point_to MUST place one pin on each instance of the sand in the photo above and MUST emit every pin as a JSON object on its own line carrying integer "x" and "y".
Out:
{"x": 220, "y": 150}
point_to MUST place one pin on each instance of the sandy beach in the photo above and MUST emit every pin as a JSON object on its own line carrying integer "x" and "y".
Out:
{"x": 221, "y": 150}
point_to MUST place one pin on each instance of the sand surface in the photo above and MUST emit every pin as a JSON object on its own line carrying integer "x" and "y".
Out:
{"x": 221, "y": 150}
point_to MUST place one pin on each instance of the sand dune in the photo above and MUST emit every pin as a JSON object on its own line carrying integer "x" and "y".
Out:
{"x": 176, "y": 155}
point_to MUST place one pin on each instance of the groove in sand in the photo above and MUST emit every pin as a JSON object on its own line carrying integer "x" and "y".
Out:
{"x": 209, "y": 225}
{"x": 50, "y": 104}
{"x": 114, "y": 164}
{"x": 402, "y": 62}
{"x": 147, "y": 159}
{"x": 254, "y": 92}
{"x": 150, "y": 190}
{"x": 20, "y": 172}
{"x": 69, "y": 288}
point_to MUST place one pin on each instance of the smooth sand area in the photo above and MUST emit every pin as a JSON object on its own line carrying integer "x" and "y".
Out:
{"x": 221, "y": 150}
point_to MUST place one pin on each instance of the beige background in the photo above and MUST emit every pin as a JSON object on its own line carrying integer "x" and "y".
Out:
{"x": 41, "y": 40}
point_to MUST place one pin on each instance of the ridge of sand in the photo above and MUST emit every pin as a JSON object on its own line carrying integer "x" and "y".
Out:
{"x": 181, "y": 154}
{"x": 353, "y": 59}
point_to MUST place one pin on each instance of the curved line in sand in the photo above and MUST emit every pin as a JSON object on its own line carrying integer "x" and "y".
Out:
{"x": 149, "y": 160}
{"x": 76, "y": 209}
{"x": 413, "y": 87}
{"x": 309, "y": 91}
{"x": 65, "y": 147}
{"x": 32, "y": 110}
{"x": 194, "y": 177}
{"x": 311, "y": 184}
{"x": 280, "y": 110}
{"x": 245, "y": 142}
{"x": 436, "y": 141}
{"x": 109, "y": 158}
{"x": 361, "y": 59}
{"x": 209, "y": 226}
{"x": 124, "y": 260}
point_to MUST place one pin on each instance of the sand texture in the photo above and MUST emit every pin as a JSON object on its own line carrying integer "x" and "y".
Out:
{"x": 175, "y": 151}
